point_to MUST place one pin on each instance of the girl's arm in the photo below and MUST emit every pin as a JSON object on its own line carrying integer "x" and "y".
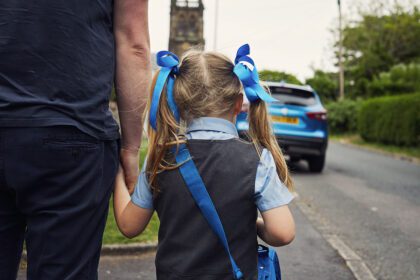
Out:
{"x": 276, "y": 227}
{"x": 131, "y": 219}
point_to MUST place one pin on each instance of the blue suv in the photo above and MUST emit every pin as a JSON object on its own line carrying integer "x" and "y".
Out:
{"x": 299, "y": 123}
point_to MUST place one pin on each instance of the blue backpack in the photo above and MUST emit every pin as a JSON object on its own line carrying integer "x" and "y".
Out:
{"x": 268, "y": 263}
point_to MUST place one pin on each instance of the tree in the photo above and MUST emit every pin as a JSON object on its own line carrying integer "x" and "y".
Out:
{"x": 276, "y": 76}
{"x": 377, "y": 42}
{"x": 325, "y": 84}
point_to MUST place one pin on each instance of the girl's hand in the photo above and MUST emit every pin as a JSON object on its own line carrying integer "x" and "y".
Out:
{"x": 129, "y": 159}
{"x": 131, "y": 219}
{"x": 120, "y": 183}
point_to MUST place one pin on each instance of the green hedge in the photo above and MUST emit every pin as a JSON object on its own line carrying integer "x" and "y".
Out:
{"x": 342, "y": 116}
{"x": 113, "y": 95}
{"x": 391, "y": 120}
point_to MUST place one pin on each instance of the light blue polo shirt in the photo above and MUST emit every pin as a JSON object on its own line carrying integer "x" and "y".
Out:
{"x": 270, "y": 191}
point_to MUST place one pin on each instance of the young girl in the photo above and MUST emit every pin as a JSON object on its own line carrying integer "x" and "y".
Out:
{"x": 240, "y": 176}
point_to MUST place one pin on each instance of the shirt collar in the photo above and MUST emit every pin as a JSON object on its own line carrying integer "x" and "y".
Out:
{"x": 212, "y": 124}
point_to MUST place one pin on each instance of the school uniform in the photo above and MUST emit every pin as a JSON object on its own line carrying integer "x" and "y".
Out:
{"x": 239, "y": 182}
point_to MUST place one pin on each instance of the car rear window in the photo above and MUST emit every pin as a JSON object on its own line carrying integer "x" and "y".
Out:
{"x": 291, "y": 96}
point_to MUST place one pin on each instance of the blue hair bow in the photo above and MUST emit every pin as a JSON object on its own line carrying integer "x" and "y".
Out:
{"x": 246, "y": 71}
{"x": 169, "y": 68}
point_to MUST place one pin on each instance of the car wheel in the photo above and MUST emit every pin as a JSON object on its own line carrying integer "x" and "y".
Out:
{"x": 316, "y": 163}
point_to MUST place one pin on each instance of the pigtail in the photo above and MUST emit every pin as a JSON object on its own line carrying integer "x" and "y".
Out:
{"x": 161, "y": 140}
{"x": 261, "y": 135}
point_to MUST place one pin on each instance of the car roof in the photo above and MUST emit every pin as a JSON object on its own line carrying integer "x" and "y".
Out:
{"x": 287, "y": 85}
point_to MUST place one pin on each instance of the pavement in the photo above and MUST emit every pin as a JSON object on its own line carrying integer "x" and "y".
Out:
{"x": 359, "y": 219}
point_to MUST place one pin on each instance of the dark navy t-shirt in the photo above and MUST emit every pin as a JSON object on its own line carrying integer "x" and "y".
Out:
{"x": 57, "y": 63}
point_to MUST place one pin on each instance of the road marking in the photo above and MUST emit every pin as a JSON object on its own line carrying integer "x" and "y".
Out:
{"x": 353, "y": 261}
{"x": 344, "y": 250}
{"x": 360, "y": 270}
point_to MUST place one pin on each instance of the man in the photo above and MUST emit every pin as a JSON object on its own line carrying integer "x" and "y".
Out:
{"x": 59, "y": 147}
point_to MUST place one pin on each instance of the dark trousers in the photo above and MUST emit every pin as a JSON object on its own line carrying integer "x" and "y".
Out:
{"x": 55, "y": 185}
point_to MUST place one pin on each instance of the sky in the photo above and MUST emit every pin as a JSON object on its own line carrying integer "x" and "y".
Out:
{"x": 292, "y": 36}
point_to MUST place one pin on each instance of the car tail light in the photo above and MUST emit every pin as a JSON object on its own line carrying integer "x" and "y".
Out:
{"x": 320, "y": 116}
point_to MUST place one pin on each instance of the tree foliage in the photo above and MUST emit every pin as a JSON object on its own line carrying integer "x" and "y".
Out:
{"x": 278, "y": 76}
{"x": 377, "y": 42}
{"x": 325, "y": 84}
{"x": 402, "y": 78}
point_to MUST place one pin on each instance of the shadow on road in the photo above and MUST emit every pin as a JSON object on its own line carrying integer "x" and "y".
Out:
{"x": 300, "y": 168}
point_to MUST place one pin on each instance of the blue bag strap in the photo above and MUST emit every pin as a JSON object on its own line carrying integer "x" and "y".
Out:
{"x": 199, "y": 192}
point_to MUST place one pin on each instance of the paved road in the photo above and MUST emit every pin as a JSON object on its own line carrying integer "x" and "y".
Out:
{"x": 370, "y": 201}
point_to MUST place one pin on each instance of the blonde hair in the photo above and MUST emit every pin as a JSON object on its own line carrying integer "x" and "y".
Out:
{"x": 205, "y": 85}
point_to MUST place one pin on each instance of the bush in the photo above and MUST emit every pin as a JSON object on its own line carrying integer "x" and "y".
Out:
{"x": 342, "y": 116}
{"x": 391, "y": 120}
{"x": 402, "y": 78}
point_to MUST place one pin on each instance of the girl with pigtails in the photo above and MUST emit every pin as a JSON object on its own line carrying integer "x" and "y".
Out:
{"x": 193, "y": 106}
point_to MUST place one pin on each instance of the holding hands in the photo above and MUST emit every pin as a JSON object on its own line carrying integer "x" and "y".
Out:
{"x": 129, "y": 159}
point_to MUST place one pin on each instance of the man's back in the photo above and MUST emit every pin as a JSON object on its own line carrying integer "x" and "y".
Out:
{"x": 57, "y": 62}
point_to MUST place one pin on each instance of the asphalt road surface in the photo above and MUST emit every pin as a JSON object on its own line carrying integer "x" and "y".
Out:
{"x": 369, "y": 201}
{"x": 372, "y": 202}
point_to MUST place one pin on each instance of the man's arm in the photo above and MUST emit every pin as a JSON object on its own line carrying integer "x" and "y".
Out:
{"x": 132, "y": 80}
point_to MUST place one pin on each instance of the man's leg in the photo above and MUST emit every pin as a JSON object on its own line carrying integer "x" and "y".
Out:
{"x": 63, "y": 184}
{"x": 12, "y": 224}
{"x": 12, "y": 230}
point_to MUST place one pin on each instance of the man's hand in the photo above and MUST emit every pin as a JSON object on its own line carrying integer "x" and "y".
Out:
{"x": 130, "y": 164}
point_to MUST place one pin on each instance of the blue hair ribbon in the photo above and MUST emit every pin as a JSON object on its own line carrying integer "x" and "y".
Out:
{"x": 247, "y": 73}
{"x": 169, "y": 68}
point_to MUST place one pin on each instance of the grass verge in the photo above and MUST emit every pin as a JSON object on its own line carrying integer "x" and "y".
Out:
{"x": 113, "y": 236}
{"x": 410, "y": 152}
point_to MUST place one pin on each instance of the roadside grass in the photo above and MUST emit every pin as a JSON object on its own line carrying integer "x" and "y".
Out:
{"x": 113, "y": 236}
{"x": 413, "y": 152}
